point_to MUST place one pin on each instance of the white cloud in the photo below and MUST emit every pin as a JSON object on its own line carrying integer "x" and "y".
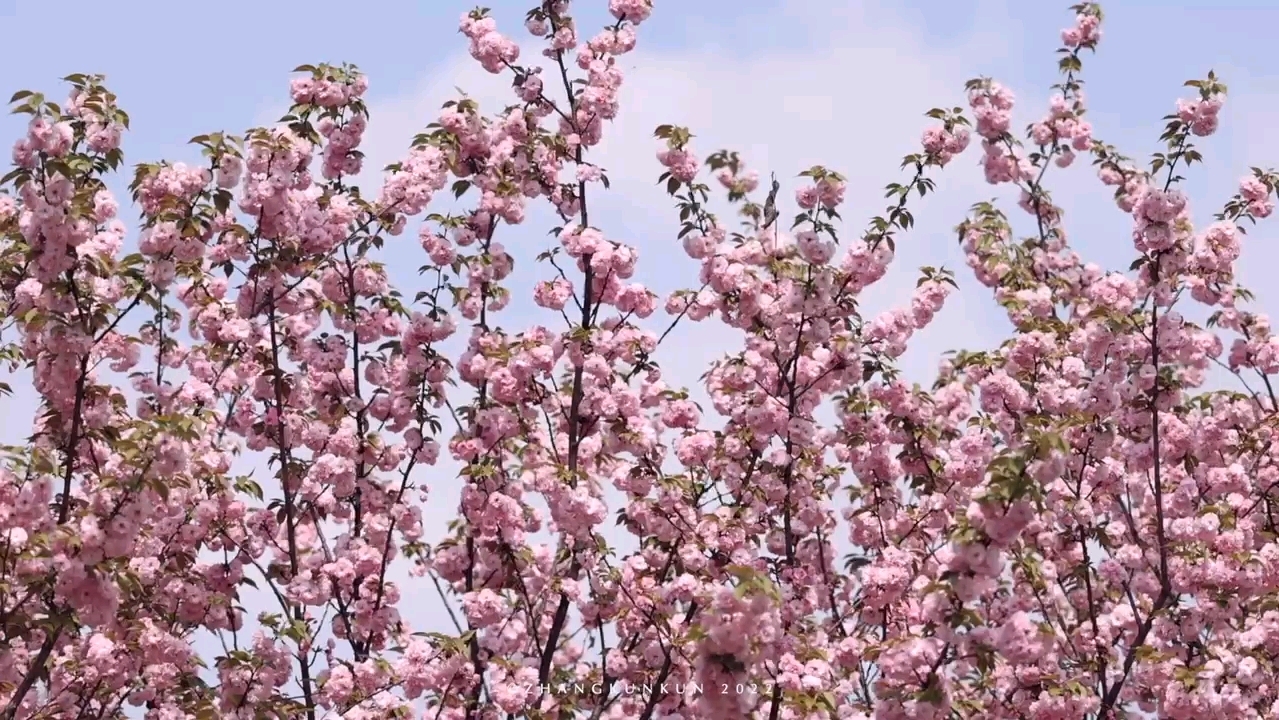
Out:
{"x": 854, "y": 103}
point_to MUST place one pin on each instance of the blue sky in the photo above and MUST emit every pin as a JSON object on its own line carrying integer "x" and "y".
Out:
{"x": 787, "y": 83}
{"x": 167, "y": 60}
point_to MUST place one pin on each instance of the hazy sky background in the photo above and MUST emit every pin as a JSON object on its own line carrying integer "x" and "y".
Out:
{"x": 789, "y": 84}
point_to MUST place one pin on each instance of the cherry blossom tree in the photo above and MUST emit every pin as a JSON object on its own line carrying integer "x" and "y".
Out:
{"x": 1074, "y": 524}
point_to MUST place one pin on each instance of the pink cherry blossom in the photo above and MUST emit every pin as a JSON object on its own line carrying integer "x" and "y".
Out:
{"x": 1069, "y": 524}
